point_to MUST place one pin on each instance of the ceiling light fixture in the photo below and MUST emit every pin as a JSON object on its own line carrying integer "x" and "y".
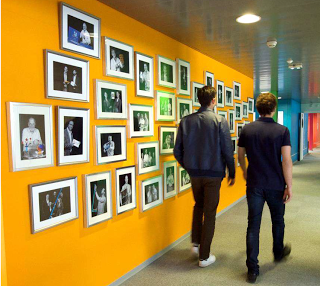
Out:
{"x": 248, "y": 19}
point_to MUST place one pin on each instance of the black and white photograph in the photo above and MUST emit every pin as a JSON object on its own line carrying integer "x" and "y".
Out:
{"x": 208, "y": 79}
{"x": 97, "y": 194}
{"x": 119, "y": 59}
{"x": 79, "y": 31}
{"x": 183, "y": 68}
{"x": 147, "y": 157}
{"x": 151, "y": 193}
{"x": 170, "y": 179}
{"x": 184, "y": 108}
{"x": 250, "y": 105}
{"x": 166, "y": 72}
{"x": 238, "y": 110}
{"x": 73, "y": 135}
{"x": 239, "y": 129}
{"x": 231, "y": 120}
{"x": 220, "y": 93}
{"x": 141, "y": 120}
{"x": 223, "y": 113}
{"x": 144, "y": 75}
{"x": 53, "y": 203}
{"x": 195, "y": 87}
{"x": 234, "y": 144}
{"x": 30, "y": 135}
{"x": 165, "y": 106}
{"x": 237, "y": 90}
{"x": 67, "y": 77}
{"x": 168, "y": 136}
{"x": 229, "y": 96}
{"x": 245, "y": 111}
{"x": 184, "y": 180}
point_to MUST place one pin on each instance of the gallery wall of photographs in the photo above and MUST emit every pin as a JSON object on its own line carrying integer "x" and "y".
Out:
{"x": 131, "y": 138}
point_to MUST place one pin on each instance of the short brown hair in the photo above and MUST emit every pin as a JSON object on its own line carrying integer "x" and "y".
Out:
{"x": 206, "y": 94}
{"x": 266, "y": 103}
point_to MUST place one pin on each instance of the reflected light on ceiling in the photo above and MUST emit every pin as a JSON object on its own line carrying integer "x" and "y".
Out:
{"x": 248, "y": 19}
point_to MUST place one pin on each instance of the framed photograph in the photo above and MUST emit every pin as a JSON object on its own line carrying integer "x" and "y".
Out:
{"x": 223, "y": 113}
{"x": 165, "y": 106}
{"x": 184, "y": 108}
{"x": 245, "y": 113}
{"x": 229, "y": 96}
{"x": 237, "y": 90}
{"x": 168, "y": 136}
{"x": 118, "y": 59}
{"x": 238, "y": 110}
{"x": 170, "y": 179}
{"x": 151, "y": 193}
{"x": 98, "y": 198}
{"x": 183, "y": 77}
{"x": 144, "y": 75}
{"x": 111, "y": 144}
{"x": 67, "y": 78}
{"x": 30, "y": 136}
{"x": 147, "y": 157}
{"x": 111, "y": 100}
{"x": 239, "y": 129}
{"x": 141, "y": 123}
{"x": 195, "y": 87}
{"x": 208, "y": 79}
{"x": 251, "y": 105}
{"x": 53, "y": 203}
{"x": 166, "y": 72}
{"x": 184, "y": 180}
{"x": 126, "y": 189}
{"x": 79, "y": 31}
{"x": 220, "y": 93}
{"x": 73, "y": 135}
{"x": 231, "y": 120}
{"x": 234, "y": 143}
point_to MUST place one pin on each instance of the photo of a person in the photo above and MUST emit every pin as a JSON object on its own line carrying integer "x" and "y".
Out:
{"x": 209, "y": 81}
{"x": 141, "y": 121}
{"x": 166, "y": 72}
{"x": 119, "y": 60}
{"x": 228, "y": 97}
{"x": 73, "y": 135}
{"x": 184, "y": 110}
{"x": 110, "y": 144}
{"x": 231, "y": 121}
{"x": 168, "y": 140}
{"x": 109, "y": 147}
{"x": 67, "y": 78}
{"x": 111, "y": 100}
{"x": 184, "y": 78}
{"x": 245, "y": 110}
{"x": 115, "y": 63}
{"x": 84, "y": 35}
{"x": 237, "y": 91}
{"x": 148, "y": 157}
{"x": 144, "y": 78}
{"x": 151, "y": 193}
{"x": 126, "y": 191}
{"x": 220, "y": 94}
{"x": 185, "y": 178}
{"x": 98, "y": 197}
{"x": 170, "y": 179}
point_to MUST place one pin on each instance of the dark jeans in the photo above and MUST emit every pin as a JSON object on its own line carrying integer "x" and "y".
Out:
{"x": 256, "y": 199}
{"x": 206, "y": 193}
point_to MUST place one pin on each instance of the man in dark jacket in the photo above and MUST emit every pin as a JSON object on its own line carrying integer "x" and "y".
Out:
{"x": 204, "y": 148}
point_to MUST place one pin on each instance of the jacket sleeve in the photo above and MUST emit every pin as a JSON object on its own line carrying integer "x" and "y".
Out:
{"x": 178, "y": 147}
{"x": 227, "y": 147}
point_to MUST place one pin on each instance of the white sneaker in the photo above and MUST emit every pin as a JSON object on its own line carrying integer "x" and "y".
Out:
{"x": 195, "y": 250}
{"x": 208, "y": 261}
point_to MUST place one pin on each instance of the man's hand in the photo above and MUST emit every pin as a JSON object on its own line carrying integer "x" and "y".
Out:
{"x": 287, "y": 195}
{"x": 231, "y": 181}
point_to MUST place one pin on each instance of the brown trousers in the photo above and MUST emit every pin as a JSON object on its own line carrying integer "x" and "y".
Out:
{"x": 206, "y": 193}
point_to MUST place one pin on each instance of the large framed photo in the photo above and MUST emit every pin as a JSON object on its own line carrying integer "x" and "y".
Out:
{"x": 184, "y": 108}
{"x": 73, "y": 135}
{"x": 111, "y": 100}
{"x": 30, "y": 136}
{"x": 79, "y": 31}
{"x": 237, "y": 90}
{"x": 126, "y": 189}
{"x": 165, "y": 106}
{"x": 220, "y": 91}
{"x": 234, "y": 144}
{"x": 209, "y": 78}
{"x": 144, "y": 75}
{"x": 231, "y": 120}
{"x": 251, "y": 105}
{"x": 53, "y": 203}
{"x": 238, "y": 110}
{"x": 239, "y": 129}
{"x": 184, "y": 180}
{"x": 195, "y": 87}
{"x": 151, "y": 193}
{"x": 170, "y": 179}
{"x": 141, "y": 122}
{"x": 229, "y": 96}
{"x": 223, "y": 113}
{"x": 111, "y": 144}
{"x": 147, "y": 157}
{"x": 166, "y": 72}
{"x": 118, "y": 59}
{"x": 98, "y": 198}
{"x": 245, "y": 109}
{"x": 183, "y": 77}
{"x": 168, "y": 136}
{"x": 67, "y": 77}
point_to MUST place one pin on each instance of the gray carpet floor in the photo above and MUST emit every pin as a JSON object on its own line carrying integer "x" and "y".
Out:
{"x": 178, "y": 267}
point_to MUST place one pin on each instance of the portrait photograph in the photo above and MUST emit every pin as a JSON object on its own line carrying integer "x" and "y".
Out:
{"x": 111, "y": 100}
{"x": 118, "y": 59}
{"x": 126, "y": 189}
{"x": 184, "y": 180}
{"x": 229, "y": 96}
{"x": 166, "y": 72}
{"x": 239, "y": 129}
{"x": 223, "y": 113}
{"x": 73, "y": 135}
{"x": 79, "y": 31}
{"x": 170, "y": 186}
{"x": 141, "y": 122}
{"x": 195, "y": 87}
{"x": 30, "y": 136}
{"x": 111, "y": 144}
{"x": 220, "y": 93}
{"x": 151, "y": 193}
{"x": 231, "y": 120}
{"x": 245, "y": 111}
{"x": 208, "y": 79}
{"x": 165, "y": 106}
{"x": 168, "y": 136}
{"x": 67, "y": 78}
{"x": 237, "y": 90}
{"x": 98, "y": 198}
{"x": 147, "y": 157}
{"x": 53, "y": 203}
{"x": 250, "y": 105}
{"x": 183, "y": 77}
{"x": 184, "y": 108}
{"x": 238, "y": 110}
{"x": 234, "y": 144}
{"x": 144, "y": 75}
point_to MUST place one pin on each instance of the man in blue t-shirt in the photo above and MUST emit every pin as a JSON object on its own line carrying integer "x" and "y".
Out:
{"x": 268, "y": 179}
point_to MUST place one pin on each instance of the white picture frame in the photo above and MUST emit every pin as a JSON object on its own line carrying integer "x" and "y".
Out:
{"x": 245, "y": 110}
{"x": 141, "y": 121}
{"x": 228, "y": 96}
{"x": 223, "y": 113}
{"x": 208, "y": 79}
{"x": 237, "y": 90}
{"x": 220, "y": 94}
{"x": 166, "y": 72}
{"x": 195, "y": 87}
{"x": 165, "y": 106}
{"x": 234, "y": 143}
{"x": 151, "y": 193}
{"x": 167, "y": 136}
{"x": 231, "y": 120}
{"x": 184, "y": 108}
{"x": 238, "y": 110}
{"x": 170, "y": 187}
{"x": 183, "y": 75}
{"x": 250, "y": 105}
{"x": 144, "y": 75}
{"x": 184, "y": 180}
{"x": 147, "y": 157}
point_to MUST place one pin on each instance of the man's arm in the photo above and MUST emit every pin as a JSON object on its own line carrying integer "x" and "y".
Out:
{"x": 242, "y": 161}
{"x": 287, "y": 172}
{"x": 178, "y": 147}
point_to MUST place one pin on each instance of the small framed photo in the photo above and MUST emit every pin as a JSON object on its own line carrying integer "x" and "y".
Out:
{"x": 168, "y": 136}
{"x": 183, "y": 77}
{"x": 209, "y": 78}
{"x": 144, "y": 75}
{"x": 237, "y": 90}
{"x": 111, "y": 144}
{"x": 170, "y": 179}
{"x": 245, "y": 110}
{"x": 165, "y": 106}
{"x": 151, "y": 193}
{"x": 231, "y": 120}
{"x": 195, "y": 87}
{"x": 79, "y": 31}
{"x": 184, "y": 108}
{"x": 53, "y": 203}
{"x": 147, "y": 157}
{"x": 223, "y": 113}
{"x": 234, "y": 143}
{"x": 126, "y": 189}
{"x": 251, "y": 105}
{"x": 118, "y": 59}
{"x": 166, "y": 72}
{"x": 73, "y": 135}
{"x": 30, "y": 134}
{"x": 220, "y": 91}
{"x": 141, "y": 123}
{"x": 67, "y": 78}
{"x": 184, "y": 180}
{"x": 229, "y": 96}
{"x": 111, "y": 100}
{"x": 98, "y": 198}
{"x": 239, "y": 129}
{"x": 238, "y": 110}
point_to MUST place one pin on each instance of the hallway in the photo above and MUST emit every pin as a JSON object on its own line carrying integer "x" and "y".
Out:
{"x": 178, "y": 267}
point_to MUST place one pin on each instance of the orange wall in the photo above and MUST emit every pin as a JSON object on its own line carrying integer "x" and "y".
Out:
{"x": 70, "y": 254}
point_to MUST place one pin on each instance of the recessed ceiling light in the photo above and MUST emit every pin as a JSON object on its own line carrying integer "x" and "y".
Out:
{"x": 248, "y": 19}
